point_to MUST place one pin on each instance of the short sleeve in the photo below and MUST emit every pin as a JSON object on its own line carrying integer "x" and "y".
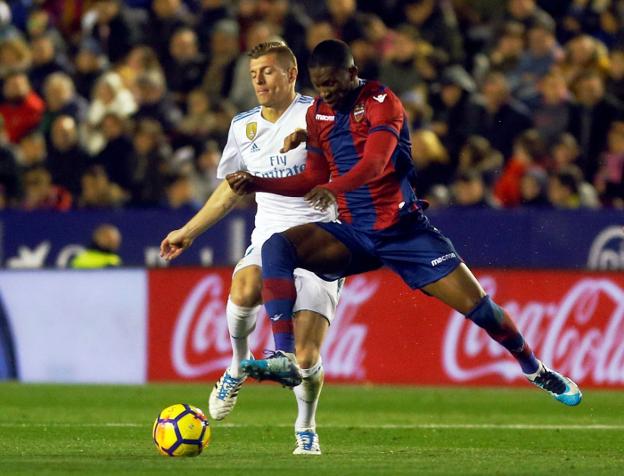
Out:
{"x": 231, "y": 158}
{"x": 384, "y": 111}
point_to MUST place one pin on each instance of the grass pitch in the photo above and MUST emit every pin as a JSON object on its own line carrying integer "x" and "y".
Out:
{"x": 55, "y": 429}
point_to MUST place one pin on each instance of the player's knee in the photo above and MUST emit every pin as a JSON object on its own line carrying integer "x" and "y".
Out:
{"x": 246, "y": 292}
{"x": 485, "y": 312}
{"x": 277, "y": 249}
{"x": 307, "y": 355}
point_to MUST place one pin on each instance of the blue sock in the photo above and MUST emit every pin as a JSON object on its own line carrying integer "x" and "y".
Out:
{"x": 279, "y": 260}
{"x": 496, "y": 322}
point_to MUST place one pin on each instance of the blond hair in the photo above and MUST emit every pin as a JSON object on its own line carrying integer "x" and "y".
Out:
{"x": 279, "y": 48}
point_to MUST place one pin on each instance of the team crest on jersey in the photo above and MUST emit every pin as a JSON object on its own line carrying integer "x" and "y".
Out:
{"x": 251, "y": 130}
{"x": 358, "y": 112}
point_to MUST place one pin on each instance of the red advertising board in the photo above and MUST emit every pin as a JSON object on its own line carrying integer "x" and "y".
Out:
{"x": 385, "y": 333}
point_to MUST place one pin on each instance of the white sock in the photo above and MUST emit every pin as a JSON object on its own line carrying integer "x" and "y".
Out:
{"x": 241, "y": 322}
{"x": 307, "y": 394}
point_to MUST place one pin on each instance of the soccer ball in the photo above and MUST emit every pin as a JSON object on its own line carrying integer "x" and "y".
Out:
{"x": 181, "y": 430}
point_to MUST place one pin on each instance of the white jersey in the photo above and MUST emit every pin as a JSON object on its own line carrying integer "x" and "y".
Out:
{"x": 254, "y": 145}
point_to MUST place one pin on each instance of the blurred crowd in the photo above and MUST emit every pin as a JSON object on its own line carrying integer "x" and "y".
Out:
{"x": 111, "y": 103}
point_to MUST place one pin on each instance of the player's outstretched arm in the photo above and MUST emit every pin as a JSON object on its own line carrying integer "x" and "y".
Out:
{"x": 222, "y": 200}
{"x": 315, "y": 173}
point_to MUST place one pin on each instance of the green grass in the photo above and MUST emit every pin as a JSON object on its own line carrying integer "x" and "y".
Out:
{"x": 55, "y": 429}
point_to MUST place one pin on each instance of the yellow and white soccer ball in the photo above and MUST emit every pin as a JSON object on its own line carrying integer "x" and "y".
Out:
{"x": 181, "y": 430}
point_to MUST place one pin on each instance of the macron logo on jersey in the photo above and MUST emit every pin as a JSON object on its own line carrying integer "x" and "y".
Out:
{"x": 323, "y": 117}
{"x": 442, "y": 259}
{"x": 380, "y": 98}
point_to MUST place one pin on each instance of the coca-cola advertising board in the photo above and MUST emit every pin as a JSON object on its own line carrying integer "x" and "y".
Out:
{"x": 385, "y": 333}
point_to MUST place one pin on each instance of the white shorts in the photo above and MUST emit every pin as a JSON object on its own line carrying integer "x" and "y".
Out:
{"x": 313, "y": 293}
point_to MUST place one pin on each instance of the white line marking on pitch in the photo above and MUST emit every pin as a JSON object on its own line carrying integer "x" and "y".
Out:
{"x": 388, "y": 426}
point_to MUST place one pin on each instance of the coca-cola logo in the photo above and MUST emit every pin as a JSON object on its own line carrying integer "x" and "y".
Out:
{"x": 201, "y": 343}
{"x": 582, "y": 335}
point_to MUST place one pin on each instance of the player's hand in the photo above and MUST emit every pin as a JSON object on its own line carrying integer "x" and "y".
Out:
{"x": 292, "y": 141}
{"x": 241, "y": 182}
{"x": 174, "y": 244}
{"x": 320, "y": 198}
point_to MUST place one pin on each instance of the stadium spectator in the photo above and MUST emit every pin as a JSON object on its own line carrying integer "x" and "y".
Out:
{"x": 179, "y": 193}
{"x": 449, "y": 104}
{"x": 185, "y": 65}
{"x": 615, "y": 77}
{"x": 60, "y": 96}
{"x": 166, "y": 17}
{"x": 223, "y": 55}
{"x": 564, "y": 152}
{"x": 109, "y": 96}
{"x": 610, "y": 177}
{"x": 529, "y": 152}
{"x": 116, "y": 154}
{"x": 31, "y": 150}
{"x": 536, "y": 61}
{"x": 204, "y": 174}
{"x": 9, "y": 171}
{"x": 583, "y": 54}
{"x": 39, "y": 24}
{"x": 45, "y": 61}
{"x": 41, "y": 194}
{"x": 287, "y": 20}
{"x": 21, "y": 107}
{"x": 344, "y": 19}
{"x": 101, "y": 251}
{"x": 550, "y": 109}
{"x": 149, "y": 164}
{"x": 471, "y": 191}
{"x": 590, "y": 119}
{"x": 154, "y": 101}
{"x": 431, "y": 161}
{"x": 117, "y": 28}
{"x": 89, "y": 64}
{"x": 398, "y": 69}
{"x": 98, "y": 192}
{"x": 212, "y": 12}
{"x": 563, "y": 189}
{"x": 478, "y": 154}
{"x": 200, "y": 122}
{"x": 437, "y": 25}
{"x": 496, "y": 116}
{"x": 316, "y": 32}
{"x": 15, "y": 55}
{"x": 533, "y": 188}
{"x": 504, "y": 56}
{"x": 526, "y": 12}
{"x": 139, "y": 61}
{"x": 67, "y": 161}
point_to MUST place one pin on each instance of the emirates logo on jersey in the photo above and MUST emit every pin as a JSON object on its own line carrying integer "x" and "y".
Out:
{"x": 358, "y": 112}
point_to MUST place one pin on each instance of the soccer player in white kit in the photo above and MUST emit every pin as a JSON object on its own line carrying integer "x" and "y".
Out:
{"x": 254, "y": 144}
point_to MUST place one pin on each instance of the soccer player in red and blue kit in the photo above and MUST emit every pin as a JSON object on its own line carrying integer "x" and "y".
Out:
{"x": 359, "y": 157}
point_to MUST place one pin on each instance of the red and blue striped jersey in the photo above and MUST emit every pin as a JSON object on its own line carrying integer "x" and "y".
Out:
{"x": 340, "y": 136}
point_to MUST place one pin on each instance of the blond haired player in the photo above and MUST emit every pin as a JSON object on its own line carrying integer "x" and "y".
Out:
{"x": 254, "y": 144}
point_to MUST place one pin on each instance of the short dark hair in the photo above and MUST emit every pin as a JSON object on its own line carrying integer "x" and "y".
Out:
{"x": 333, "y": 53}
{"x": 279, "y": 48}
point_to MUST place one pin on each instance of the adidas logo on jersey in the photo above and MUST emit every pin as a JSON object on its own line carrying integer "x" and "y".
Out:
{"x": 254, "y": 147}
{"x": 380, "y": 98}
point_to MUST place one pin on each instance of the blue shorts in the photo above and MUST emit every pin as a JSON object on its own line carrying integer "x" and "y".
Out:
{"x": 412, "y": 248}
